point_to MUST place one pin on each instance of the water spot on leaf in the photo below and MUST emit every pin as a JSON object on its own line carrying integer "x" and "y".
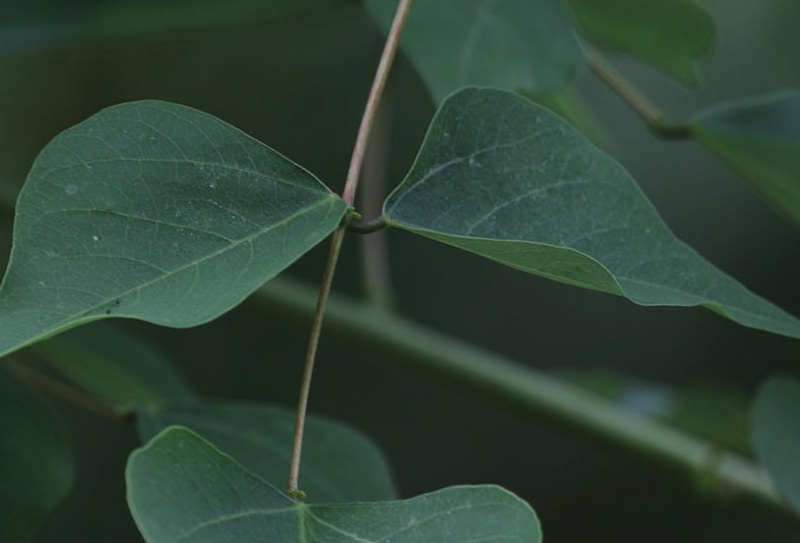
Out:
{"x": 95, "y": 237}
{"x": 71, "y": 189}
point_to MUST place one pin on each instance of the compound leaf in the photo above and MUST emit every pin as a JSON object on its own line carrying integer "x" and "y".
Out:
{"x": 670, "y": 34}
{"x": 776, "y": 435}
{"x": 36, "y": 467}
{"x": 158, "y": 212}
{"x": 760, "y": 139}
{"x": 118, "y": 368}
{"x": 510, "y": 44}
{"x": 181, "y": 488}
{"x": 339, "y": 463}
{"x": 504, "y": 178}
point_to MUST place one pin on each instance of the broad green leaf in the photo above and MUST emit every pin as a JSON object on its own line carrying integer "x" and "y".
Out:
{"x": 717, "y": 415}
{"x": 510, "y": 44}
{"x": 158, "y": 212}
{"x": 504, "y": 178}
{"x": 339, "y": 463}
{"x": 180, "y": 488}
{"x": 118, "y": 368}
{"x": 570, "y": 105}
{"x": 760, "y": 139}
{"x": 776, "y": 435}
{"x": 669, "y": 34}
{"x": 38, "y": 23}
{"x": 36, "y": 470}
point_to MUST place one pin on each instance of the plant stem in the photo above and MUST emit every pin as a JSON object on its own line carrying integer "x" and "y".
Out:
{"x": 311, "y": 354}
{"x": 60, "y": 389}
{"x": 652, "y": 117}
{"x": 353, "y": 174}
{"x": 375, "y": 93}
{"x": 524, "y": 389}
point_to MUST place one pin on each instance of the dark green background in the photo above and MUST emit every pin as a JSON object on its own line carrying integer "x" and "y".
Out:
{"x": 299, "y": 85}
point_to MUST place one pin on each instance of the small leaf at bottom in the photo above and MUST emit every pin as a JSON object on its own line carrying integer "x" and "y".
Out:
{"x": 181, "y": 488}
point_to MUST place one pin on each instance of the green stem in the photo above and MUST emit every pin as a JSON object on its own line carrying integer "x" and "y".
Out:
{"x": 353, "y": 174}
{"x": 652, "y": 117}
{"x": 61, "y": 390}
{"x": 524, "y": 389}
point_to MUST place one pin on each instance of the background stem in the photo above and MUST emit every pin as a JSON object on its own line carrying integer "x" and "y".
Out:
{"x": 652, "y": 117}
{"x": 374, "y": 249}
{"x": 524, "y": 389}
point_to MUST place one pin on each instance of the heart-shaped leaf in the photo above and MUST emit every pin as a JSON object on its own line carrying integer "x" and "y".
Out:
{"x": 180, "y": 488}
{"x": 158, "y": 212}
{"x": 760, "y": 139}
{"x": 669, "y": 34}
{"x": 339, "y": 463}
{"x": 36, "y": 470}
{"x": 510, "y": 44}
{"x": 504, "y": 178}
{"x": 116, "y": 367}
{"x": 776, "y": 435}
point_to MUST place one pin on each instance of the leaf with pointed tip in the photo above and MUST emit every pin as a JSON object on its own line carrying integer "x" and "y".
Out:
{"x": 776, "y": 435}
{"x": 154, "y": 211}
{"x": 36, "y": 470}
{"x": 339, "y": 463}
{"x": 510, "y": 44}
{"x": 181, "y": 488}
{"x": 118, "y": 368}
{"x": 506, "y": 179}
{"x": 669, "y": 34}
{"x": 760, "y": 139}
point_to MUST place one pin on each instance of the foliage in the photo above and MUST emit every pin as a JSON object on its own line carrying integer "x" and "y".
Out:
{"x": 163, "y": 213}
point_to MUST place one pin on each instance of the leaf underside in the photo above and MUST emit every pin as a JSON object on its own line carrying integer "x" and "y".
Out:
{"x": 158, "y": 212}
{"x": 455, "y": 43}
{"x": 504, "y": 178}
{"x": 776, "y": 435}
{"x": 180, "y": 488}
{"x": 339, "y": 463}
{"x": 36, "y": 469}
{"x": 760, "y": 139}
{"x": 116, "y": 367}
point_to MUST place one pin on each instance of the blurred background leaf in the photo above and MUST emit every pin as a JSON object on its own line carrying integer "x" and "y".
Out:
{"x": 36, "y": 467}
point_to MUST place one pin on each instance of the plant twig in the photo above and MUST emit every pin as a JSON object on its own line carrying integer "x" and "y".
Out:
{"x": 356, "y": 161}
{"x": 524, "y": 389}
{"x": 60, "y": 389}
{"x": 375, "y": 93}
{"x": 652, "y": 117}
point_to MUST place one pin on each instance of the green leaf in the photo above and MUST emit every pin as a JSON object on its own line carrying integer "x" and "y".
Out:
{"x": 669, "y": 34}
{"x": 158, "y": 212}
{"x": 36, "y": 470}
{"x": 339, "y": 463}
{"x": 776, "y": 435}
{"x": 180, "y": 488}
{"x": 118, "y": 368}
{"x": 504, "y": 178}
{"x": 511, "y": 44}
{"x": 38, "y": 23}
{"x": 760, "y": 139}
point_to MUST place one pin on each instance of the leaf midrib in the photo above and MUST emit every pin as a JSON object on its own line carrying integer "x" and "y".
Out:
{"x": 328, "y": 199}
